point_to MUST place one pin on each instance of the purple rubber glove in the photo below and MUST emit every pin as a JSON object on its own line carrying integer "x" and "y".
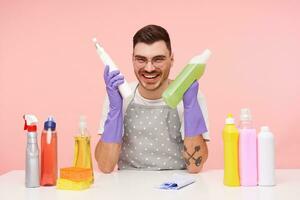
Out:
{"x": 113, "y": 127}
{"x": 194, "y": 123}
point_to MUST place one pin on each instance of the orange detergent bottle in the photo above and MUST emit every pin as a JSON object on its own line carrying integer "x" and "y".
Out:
{"x": 49, "y": 153}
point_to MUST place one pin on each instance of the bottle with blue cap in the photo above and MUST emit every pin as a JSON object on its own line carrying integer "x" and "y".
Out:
{"x": 49, "y": 153}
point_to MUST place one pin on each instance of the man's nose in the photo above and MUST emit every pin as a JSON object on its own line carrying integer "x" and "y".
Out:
{"x": 149, "y": 67}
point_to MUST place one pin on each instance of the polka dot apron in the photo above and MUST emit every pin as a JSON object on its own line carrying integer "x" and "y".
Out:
{"x": 152, "y": 138}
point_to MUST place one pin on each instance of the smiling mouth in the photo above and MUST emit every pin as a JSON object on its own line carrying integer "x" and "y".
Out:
{"x": 150, "y": 76}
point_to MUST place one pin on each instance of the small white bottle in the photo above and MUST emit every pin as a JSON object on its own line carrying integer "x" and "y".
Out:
{"x": 266, "y": 157}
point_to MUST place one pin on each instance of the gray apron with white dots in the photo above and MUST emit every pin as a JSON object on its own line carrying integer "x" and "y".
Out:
{"x": 152, "y": 138}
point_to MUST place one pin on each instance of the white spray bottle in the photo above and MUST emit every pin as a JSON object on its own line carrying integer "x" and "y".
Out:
{"x": 124, "y": 88}
{"x": 266, "y": 157}
{"x": 32, "y": 171}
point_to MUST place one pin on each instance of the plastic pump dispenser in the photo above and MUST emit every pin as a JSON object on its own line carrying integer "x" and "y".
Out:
{"x": 191, "y": 72}
{"x": 247, "y": 150}
{"x": 124, "y": 88}
{"x": 245, "y": 118}
{"x": 32, "y": 169}
{"x": 83, "y": 126}
{"x": 230, "y": 140}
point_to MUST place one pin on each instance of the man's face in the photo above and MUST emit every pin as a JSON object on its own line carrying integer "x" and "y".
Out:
{"x": 152, "y": 64}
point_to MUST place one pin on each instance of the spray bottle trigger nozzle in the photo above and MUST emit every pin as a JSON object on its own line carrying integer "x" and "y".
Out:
{"x": 30, "y": 122}
{"x": 25, "y": 124}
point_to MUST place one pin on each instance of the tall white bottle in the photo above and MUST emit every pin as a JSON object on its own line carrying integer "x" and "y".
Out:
{"x": 124, "y": 88}
{"x": 266, "y": 157}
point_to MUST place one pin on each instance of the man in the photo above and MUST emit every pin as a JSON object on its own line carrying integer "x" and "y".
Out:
{"x": 143, "y": 132}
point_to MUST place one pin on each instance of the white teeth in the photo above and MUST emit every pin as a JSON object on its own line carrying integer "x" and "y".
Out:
{"x": 148, "y": 76}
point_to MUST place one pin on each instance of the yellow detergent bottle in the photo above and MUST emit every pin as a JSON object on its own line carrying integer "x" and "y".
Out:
{"x": 230, "y": 140}
{"x": 82, "y": 155}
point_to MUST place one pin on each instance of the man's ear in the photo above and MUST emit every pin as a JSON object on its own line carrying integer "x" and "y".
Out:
{"x": 172, "y": 59}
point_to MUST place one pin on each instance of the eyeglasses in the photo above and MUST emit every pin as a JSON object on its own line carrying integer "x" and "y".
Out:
{"x": 156, "y": 61}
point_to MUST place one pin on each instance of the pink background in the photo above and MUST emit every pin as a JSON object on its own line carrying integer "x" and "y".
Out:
{"x": 48, "y": 65}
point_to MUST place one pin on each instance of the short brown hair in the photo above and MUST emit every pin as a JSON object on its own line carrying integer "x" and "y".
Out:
{"x": 152, "y": 33}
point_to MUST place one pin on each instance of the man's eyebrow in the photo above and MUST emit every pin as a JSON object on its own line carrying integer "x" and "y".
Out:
{"x": 139, "y": 56}
{"x": 160, "y": 56}
{"x": 157, "y": 56}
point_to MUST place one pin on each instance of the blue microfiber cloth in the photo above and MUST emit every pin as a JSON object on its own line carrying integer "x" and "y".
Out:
{"x": 177, "y": 182}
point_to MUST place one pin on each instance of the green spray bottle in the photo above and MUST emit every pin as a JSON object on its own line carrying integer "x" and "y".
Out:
{"x": 193, "y": 71}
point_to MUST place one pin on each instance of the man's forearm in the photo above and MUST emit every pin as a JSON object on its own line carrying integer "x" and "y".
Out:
{"x": 195, "y": 153}
{"x": 108, "y": 148}
{"x": 107, "y": 155}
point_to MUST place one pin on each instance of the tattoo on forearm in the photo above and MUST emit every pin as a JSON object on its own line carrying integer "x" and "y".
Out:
{"x": 191, "y": 156}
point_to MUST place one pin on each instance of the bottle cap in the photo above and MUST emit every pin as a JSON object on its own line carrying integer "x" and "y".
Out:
{"x": 82, "y": 122}
{"x": 202, "y": 58}
{"x": 83, "y": 126}
{"x": 245, "y": 114}
{"x": 50, "y": 124}
{"x": 229, "y": 119}
{"x": 264, "y": 129}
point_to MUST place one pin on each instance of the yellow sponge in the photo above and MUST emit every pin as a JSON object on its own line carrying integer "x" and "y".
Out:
{"x": 76, "y": 174}
{"x": 65, "y": 184}
{"x": 73, "y": 178}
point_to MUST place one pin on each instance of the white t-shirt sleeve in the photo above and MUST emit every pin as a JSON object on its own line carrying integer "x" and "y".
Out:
{"x": 202, "y": 103}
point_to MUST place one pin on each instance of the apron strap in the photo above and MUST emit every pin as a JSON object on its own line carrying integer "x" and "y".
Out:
{"x": 134, "y": 92}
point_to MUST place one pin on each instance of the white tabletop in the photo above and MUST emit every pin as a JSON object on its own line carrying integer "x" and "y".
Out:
{"x": 141, "y": 185}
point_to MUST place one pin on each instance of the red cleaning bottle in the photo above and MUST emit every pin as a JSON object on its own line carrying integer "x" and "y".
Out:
{"x": 49, "y": 153}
